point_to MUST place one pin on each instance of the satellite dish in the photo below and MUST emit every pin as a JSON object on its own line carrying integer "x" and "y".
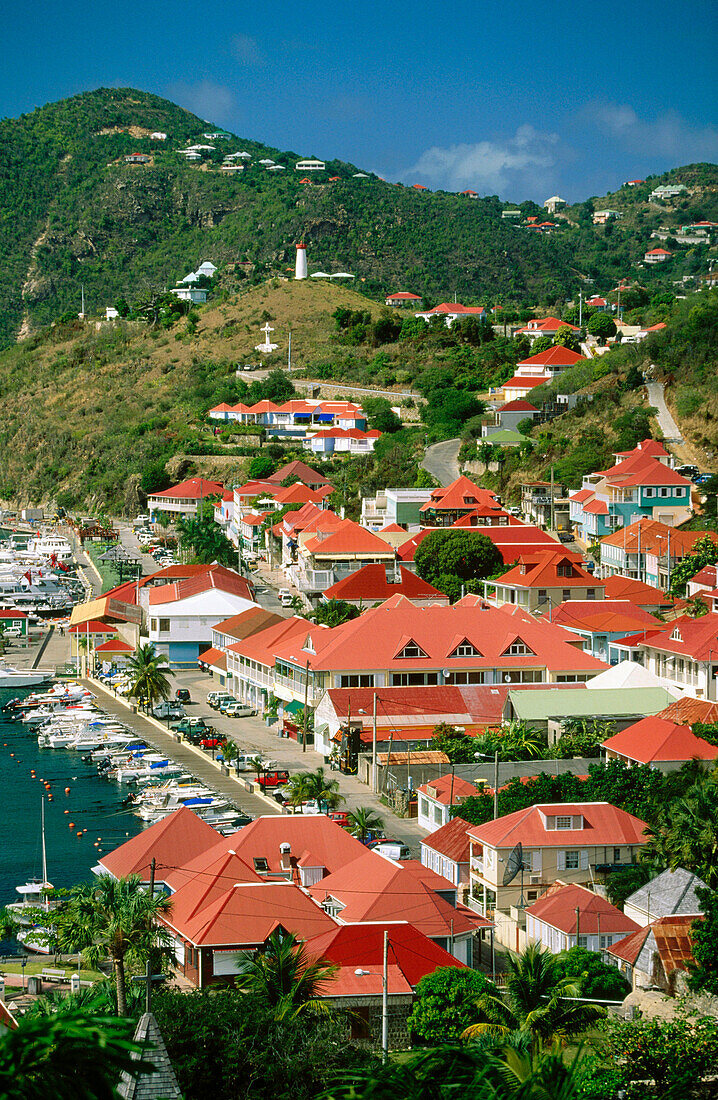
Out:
{"x": 446, "y": 673}
{"x": 507, "y": 678}
{"x": 514, "y": 864}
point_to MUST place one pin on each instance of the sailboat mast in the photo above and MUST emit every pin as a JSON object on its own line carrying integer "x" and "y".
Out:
{"x": 44, "y": 853}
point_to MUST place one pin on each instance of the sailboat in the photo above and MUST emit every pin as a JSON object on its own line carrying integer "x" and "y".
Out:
{"x": 35, "y": 896}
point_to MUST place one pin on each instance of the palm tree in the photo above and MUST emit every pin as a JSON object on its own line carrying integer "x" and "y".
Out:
{"x": 149, "y": 673}
{"x": 8, "y": 925}
{"x": 66, "y": 1056}
{"x": 537, "y": 1001}
{"x": 115, "y": 918}
{"x": 230, "y": 752}
{"x": 687, "y": 835}
{"x": 364, "y": 821}
{"x": 283, "y": 973}
{"x": 323, "y": 790}
{"x": 296, "y": 790}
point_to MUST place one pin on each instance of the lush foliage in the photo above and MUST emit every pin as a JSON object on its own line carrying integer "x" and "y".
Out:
{"x": 704, "y": 974}
{"x": 704, "y": 552}
{"x": 335, "y": 612}
{"x": 451, "y": 560}
{"x": 282, "y": 974}
{"x": 445, "y": 1004}
{"x": 598, "y": 979}
{"x": 148, "y": 671}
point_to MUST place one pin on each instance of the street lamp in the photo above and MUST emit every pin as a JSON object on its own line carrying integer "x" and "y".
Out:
{"x": 487, "y": 756}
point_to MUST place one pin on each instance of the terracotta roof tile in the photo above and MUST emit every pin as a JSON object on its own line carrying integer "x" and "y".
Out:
{"x": 557, "y": 908}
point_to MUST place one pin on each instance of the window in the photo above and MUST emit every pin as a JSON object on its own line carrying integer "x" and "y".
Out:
{"x": 564, "y": 570}
{"x": 356, "y": 680}
{"x": 518, "y": 648}
{"x": 466, "y": 649}
{"x": 650, "y": 492}
{"x": 153, "y": 625}
{"x": 413, "y": 679}
{"x": 542, "y": 595}
{"x": 531, "y": 895}
{"x": 566, "y": 594}
{"x": 664, "y": 490}
{"x": 590, "y": 593}
{"x": 583, "y": 941}
{"x": 465, "y": 678}
{"x": 164, "y": 624}
{"x": 423, "y": 806}
{"x": 564, "y": 822}
{"x": 616, "y": 855}
{"x": 438, "y": 816}
{"x": 573, "y": 860}
{"x": 411, "y": 650}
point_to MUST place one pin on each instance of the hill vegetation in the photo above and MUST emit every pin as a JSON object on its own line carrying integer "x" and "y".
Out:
{"x": 74, "y": 214}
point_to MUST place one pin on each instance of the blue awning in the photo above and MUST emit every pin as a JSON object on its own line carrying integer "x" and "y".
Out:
{"x": 326, "y": 416}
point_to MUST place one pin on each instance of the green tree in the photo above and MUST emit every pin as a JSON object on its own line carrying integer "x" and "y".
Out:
{"x": 284, "y": 975}
{"x": 335, "y": 612}
{"x": 445, "y": 1004}
{"x": 704, "y": 552}
{"x": 567, "y": 338}
{"x": 363, "y": 822}
{"x": 450, "y": 559}
{"x": 148, "y": 673}
{"x": 537, "y": 1001}
{"x": 541, "y": 343}
{"x": 458, "y": 746}
{"x": 323, "y": 790}
{"x": 601, "y": 326}
{"x": 675, "y": 1055}
{"x": 380, "y": 414}
{"x": 203, "y": 537}
{"x": 262, "y": 466}
{"x": 704, "y": 970}
{"x": 686, "y": 834}
{"x": 598, "y": 979}
{"x": 68, "y": 1056}
{"x": 8, "y": 924}
{"x": 115, "y": 919}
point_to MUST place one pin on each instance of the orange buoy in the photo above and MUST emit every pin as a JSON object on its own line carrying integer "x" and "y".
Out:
{"x": 79, "y": 834}
{"x": 49, "y": 798}
{"x": 66, "y": 811}
{"x": 71, "y": 825}
{"x": 67, "y": 790}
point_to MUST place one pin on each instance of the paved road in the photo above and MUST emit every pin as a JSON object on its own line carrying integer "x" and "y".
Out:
{"x": 666, "y": 423}
{"x": 357, "y": 389}
{"x": 442, "y": 461}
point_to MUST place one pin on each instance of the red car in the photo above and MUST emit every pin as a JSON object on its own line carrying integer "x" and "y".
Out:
{"x": 341, "y": 817}
{"x": 273, "y": 779}
{"x": 212, "y": 743}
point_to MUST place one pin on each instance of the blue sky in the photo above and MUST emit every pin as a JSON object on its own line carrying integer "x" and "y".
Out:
{"x": 507, "y": 98}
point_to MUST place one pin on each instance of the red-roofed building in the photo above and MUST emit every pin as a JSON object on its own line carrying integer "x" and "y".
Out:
{"x": 451, "y": 312}
{"x": 684, "y": 652}
{"x": 705, "y": 580}
{"x": 548, "y": 363}
{"x": 251, "y": 661}
{"x": 402, "y": 298}
{"x": 657, "y": 256}
{"x": 185, "y": 498}
{"x": 183, "y": 614}
{"x": 171, "y": 842}
{"x": 510, "y": 415}
{"x": 520, "y": 385}
{"x": 660, "y": 742}
{"x": 451, "y": 502}
{"x": 437, "y": 797}
{"x": 601, "y": 623}
{"x": 306, "y": 474}
{"x": 358, "y": 951}
{"x": 375, "y": 583}
{"x": 324, "y": 556}
{"x": 642, "y": 483}
{"x": 542, "y": 581}
{"x": 638, "y": 593}
{"x": 375, "y": 888}
{"x": 545, "y": 326}
{"x": 652, "y": 957}
{"x": 687, "y": 710}
{"x": 447, "y": 851}
{"x": 342, "y": 440}
{"x": 578, "y": 843}
{"x": 568, "y": 915}
{"x": 647, "y": 549}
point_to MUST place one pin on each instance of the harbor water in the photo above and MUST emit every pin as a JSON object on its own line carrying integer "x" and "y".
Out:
{"x": 92, "y": 808}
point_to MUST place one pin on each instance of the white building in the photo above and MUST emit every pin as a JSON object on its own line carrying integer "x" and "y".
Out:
{"x": 300, "y": 267}
{"x": 310, "y": 166}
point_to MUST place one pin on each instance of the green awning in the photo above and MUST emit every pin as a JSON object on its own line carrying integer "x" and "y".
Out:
{"x": 292, "y": 708}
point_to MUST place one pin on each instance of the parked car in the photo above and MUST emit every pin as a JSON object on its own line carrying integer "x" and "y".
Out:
{"x": 268, "y": 780}
{"x": 182, "y": 695}
{"x": 212, "y": 742}
{"x": 238, "y": 710}
{"x": 340, "y": 817}
{"x": 688, "y": 471}
{"x": 565, "y": 536}
{"x": 394, "y": 849}
{"x": 188, "y": 725}
{"x": 218, "y": 698}
{"x": 168, "y": 709}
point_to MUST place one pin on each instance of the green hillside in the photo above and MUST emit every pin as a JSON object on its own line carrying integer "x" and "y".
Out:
{"x": 73, "y": 213}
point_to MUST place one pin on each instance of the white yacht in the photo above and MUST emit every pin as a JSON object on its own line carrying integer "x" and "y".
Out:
{"x": 50, "y": 546}
{"x": 23, "y": 677}
{"x": 35, "y": 905}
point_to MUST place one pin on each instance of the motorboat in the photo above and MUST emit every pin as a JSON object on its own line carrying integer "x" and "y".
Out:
{"x": 23, "y": 677}
{"x": 50, "y": 546}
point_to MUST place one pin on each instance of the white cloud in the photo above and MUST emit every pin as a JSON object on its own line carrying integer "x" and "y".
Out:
{"x": 212, "y": 102}
{"x": 521, "y": 163}
{"x": 667, "y": 135}
{"x": 246, "y": 50}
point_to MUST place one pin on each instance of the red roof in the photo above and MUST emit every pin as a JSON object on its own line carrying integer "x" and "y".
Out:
{"x": 695, "y": 638}
{"x": 602, "y": 824}
{"x": 461, "y": 495}
{"x": 114, "y": 646}
{"x": 525, "y": 382}
{"x": 375, "y": 888}
{"x": 299, "y": 469}
{"x": 315, "y": 842}
{"x": 519, "y": 405}
{"x": 92, "y": 626}
{"x": 673, "y": 939}
{"x": 659, "y": 740}
{"x": 448, "y": 789}
{"x": 686, "y": 711}
{"x": 246, "y": 914}
{"x": 451, "y": 840}
{"x": 557, "y": 908}
{"x": 348, "y": 537}
{"x": 558, "y": 356}
{"x": 371, "y": 585}
{"x": 194, "y": 489}
{"x": 177, "y": 838}
{"x": 215, "y": 657}
{"x": 404, "y": 296}
{"x": 5, "y": 614}
{"x": 214, "y": 577}
{"x": 261, "y": 646}
{"x": 541, "y": 571}
{"x": 639, "y": 593}
{"x": 610, "y": 616}
{"x": 419, "y": 187}
{"x": 547, "y": 324}
{"x": 658, "y": 252}
{"x": 361, "y": 947}
{"x": 248, "y": 622}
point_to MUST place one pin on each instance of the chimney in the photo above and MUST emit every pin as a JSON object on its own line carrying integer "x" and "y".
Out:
{"x": 300, "y": 271}
{"x": 285, "y": 856}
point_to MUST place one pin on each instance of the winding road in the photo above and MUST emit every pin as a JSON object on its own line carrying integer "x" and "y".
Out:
{"x": 671, "y": 431}
{"x": 442, "y": 461}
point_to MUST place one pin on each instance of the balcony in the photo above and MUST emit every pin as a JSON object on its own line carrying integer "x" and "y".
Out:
{"x": 311, "y": 580}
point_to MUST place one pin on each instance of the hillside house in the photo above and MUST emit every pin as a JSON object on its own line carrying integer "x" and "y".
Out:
{"x": 579, "y": 844}
{"x": 451, "y": 312}
{"x": 543, "y": 581}
{"x": 668, "y": 191}
{"x": 373, "y": 584}
{"x": 510, "y": 415}
{"x": 683, "y": 653}
{"x": 353, "y": 441}
{"x": 657, "y": 256}
{"x": 324, "y": 556}
{"x": 452, "y": 502}
{"x": 601, "y": 217}
{"x": 555, "y": 203}
{"x": 641, "y": 483}
{"x": 545, "y": 505}
{"x": 601, "y": 623}
{"x": 393, "y": 506}
{"x": 195, "y": 294}
{"x": 570, "y": 915}
{"x": 657, "y": 956}
{"x": 310, "y": 165}
{"x": 446, "y": 851}
{"x": 183, "y": 614}
{"x": 544, "y": 326}
{"x": 402, "y": 299}
{"x": 647, "y": 550}
{"x": 183, "y": 499}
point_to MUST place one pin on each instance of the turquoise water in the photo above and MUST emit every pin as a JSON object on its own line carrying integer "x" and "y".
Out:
{"x": 93, "y": 804}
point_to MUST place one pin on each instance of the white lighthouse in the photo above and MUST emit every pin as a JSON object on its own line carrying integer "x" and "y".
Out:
{"x": 300, "y": 271}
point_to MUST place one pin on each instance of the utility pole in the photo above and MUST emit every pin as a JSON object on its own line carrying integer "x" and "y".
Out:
{"x": 577, "y": 911}
{"x": 385, "y": 1001}
{"x": 306, "y": 706}
{"x": 553, "y": 514}
{"x": 580, "y": 308}
{"x": 148, "y": 967}
{"x": 496, "y": 784}
{"x": 373, "y": 747}
{"x": 289, "y": 350}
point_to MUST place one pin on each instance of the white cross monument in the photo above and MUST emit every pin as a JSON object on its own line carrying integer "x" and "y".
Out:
{"x": 266, "y": 347}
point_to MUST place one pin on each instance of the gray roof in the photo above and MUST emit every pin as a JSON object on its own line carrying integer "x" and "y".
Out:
{"x": 672, "y": 893}
{"x": 160, "y": 1083}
